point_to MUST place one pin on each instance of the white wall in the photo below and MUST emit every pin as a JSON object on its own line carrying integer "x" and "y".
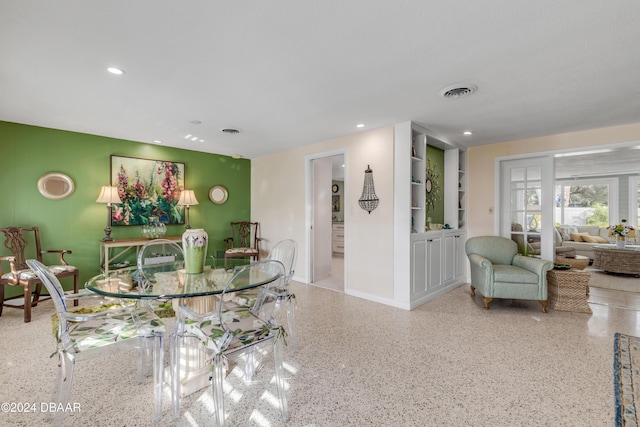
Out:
{"x": 278, "y": 202}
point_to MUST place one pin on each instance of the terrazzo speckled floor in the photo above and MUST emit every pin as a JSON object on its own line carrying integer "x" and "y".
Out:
{"x": 359, "y": 363}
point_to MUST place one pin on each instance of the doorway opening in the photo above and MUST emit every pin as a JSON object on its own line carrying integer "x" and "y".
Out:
{"x": 327, "y": 219}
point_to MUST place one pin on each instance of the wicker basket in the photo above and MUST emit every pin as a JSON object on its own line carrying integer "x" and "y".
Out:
{"x": 567, "y": 290}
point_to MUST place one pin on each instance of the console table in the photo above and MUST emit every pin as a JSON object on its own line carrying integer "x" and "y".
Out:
{"x": 610, "y": 259}
{"x": 123, "y": 246}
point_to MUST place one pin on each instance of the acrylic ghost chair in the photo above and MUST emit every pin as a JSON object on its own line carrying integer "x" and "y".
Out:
{"x": 158, "y": 261}
{"x": 285, "y": 252}
{"x": 84, "y": 336}
{"x": 237, "y": 327}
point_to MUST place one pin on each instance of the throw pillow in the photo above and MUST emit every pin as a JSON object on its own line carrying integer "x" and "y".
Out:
{"x": 563, "y": 233}
{"x": 566, "y": 231}
{"x": 579, "y": 237}
{"x": 594, "y": 239}
{"x": 576, "y": 237}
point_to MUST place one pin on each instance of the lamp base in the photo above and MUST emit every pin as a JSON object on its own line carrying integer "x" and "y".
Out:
{"x": 107, "y": 235}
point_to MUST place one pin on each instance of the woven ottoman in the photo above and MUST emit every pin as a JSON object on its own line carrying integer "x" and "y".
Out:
{"x": 577, "y": 262}
{"x": 567, "y": 290}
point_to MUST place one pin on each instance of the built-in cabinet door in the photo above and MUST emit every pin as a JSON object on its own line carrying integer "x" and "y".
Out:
{"x": 418, "y": 267}
{"x": 450, "y": 256}
{"x": 434, "y": 262}
{"x": 454, "y": 257}
{"x": 461, "y": 256}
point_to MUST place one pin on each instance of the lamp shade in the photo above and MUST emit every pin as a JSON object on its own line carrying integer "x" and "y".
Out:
{"x": 187, "y": 198}
{"x": 109, "y": 194}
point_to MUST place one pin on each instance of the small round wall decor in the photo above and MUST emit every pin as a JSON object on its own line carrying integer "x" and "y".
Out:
{"x": 218, "y": 194}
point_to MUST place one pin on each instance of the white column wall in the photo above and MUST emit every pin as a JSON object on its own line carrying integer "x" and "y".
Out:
{"x": 278, "y": 202}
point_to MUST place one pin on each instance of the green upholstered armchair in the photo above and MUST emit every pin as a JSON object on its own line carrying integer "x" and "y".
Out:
{"x": 497, "y": 271}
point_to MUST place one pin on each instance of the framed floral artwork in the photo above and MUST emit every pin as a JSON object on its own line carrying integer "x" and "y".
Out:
{"x": 147, "y": 188}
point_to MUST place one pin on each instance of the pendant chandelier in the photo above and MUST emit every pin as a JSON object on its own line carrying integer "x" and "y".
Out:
{"x": 368, "y": 201}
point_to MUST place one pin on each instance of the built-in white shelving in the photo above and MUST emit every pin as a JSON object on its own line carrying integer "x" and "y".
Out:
{"x": 434, "y": 260}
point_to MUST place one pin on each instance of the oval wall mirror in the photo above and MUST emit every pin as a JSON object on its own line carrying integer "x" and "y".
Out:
{"x": 55, "y": 185}
{"x": 218, "y": 194}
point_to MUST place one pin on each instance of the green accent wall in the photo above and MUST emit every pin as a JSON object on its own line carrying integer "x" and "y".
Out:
{"x": 77, "y": 222}
{"x": 436, "y": 157}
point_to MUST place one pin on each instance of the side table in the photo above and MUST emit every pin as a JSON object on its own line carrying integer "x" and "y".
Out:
{"x": 567, "y": 290}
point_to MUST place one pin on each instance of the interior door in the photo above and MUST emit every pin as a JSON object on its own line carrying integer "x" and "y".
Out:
{"x": 321, "y": 218}
{"x": 526, "y": 204}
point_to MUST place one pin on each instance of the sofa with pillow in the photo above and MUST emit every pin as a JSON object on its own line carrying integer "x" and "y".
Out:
{"x": 583, "y": 237}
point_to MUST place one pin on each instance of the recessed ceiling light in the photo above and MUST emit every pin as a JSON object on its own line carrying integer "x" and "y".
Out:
{"x": 360, "y": 125}
{"x": 467, "y": 132}
{"x": 188, "y": 136}
{"x": 157, "y": 141}
{"x": 236, "y": 156}
{"x": 114, "y": 70}
{"x": 194, "y": 138}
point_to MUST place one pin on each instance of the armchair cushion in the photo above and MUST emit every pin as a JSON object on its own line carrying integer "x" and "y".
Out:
{"x": 512, "y": 273}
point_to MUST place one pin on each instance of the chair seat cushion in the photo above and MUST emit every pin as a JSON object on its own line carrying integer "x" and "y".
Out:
{"x": 247, "y": 328}
{"x": 28, "y": 274}
{"x": 241, "y": 251}
{"x": 513, "y": 274}
{"x": 106, "y": 330}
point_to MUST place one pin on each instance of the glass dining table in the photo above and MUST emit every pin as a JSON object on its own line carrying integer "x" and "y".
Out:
{"x": 166, "y": 284}
{"x": 196, "y": 291}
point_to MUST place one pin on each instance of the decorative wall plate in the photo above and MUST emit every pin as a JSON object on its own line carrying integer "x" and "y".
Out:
{"x": 218, "y": 194}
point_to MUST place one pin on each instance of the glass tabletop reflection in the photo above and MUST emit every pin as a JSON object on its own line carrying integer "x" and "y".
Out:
{"x": 130, "y": 283}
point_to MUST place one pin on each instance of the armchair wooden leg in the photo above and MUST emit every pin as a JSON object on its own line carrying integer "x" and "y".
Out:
{"x": 473, "y": 291}
{"x": 544, "y": 306}
{"x": 487, "y": 301}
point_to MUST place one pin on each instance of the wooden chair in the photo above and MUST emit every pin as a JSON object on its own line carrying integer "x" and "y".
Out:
{"x": 19, "y": 239}
{"x": 243, "y": 242}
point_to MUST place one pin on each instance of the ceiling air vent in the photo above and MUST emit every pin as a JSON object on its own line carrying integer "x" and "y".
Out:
{"x": 230, "y": 131}
{"x": 458, "y": 91}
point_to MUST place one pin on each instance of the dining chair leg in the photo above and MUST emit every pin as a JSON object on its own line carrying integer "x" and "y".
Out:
{"x": 27, "y": 304}
{"x": 280, "y": 383}
{"x": 218, "y": 389}
{"x": 158, "y": 375}
{"x": 174, "y": 363}
{"x": 250, "y": 365}
{"x": 1, "y": 298}
{"x": 291, "y": 331}
{"x": 63, "y": 389}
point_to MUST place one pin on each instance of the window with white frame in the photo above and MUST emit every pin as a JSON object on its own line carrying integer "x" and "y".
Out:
{"x": 586, "y": 201}
{"x": 634, "y": 200}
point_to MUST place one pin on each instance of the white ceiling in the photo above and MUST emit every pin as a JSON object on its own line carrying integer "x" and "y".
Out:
{"x": 296, "y": 72}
